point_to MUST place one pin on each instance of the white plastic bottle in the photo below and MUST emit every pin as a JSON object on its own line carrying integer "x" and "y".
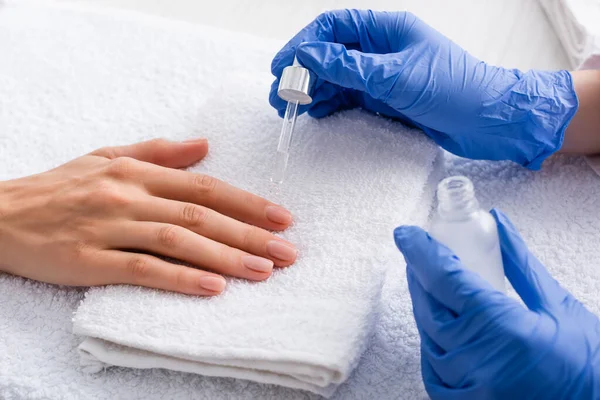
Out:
{"x": 461, "y": 225}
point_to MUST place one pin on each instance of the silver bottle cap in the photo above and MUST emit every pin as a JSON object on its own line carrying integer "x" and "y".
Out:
{"x": 295, "y": 84}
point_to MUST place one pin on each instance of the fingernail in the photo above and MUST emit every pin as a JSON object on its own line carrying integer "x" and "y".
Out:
{"x": 212, "y": 283}
{"x": 257, "y": 264}
{"x": 279, "y": 215}
{"x": 200, "y": 140}
{"x": 282, "y": 251}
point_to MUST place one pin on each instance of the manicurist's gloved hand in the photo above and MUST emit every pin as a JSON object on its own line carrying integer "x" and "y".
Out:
{"x": 477, "y": 343}
{"x": 394, "y": 64}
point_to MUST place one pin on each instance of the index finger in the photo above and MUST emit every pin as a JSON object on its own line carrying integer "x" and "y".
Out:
{"x": 440, "y": 272}
{"x": 217, "y": 195}
{"x": 353, "y": 28}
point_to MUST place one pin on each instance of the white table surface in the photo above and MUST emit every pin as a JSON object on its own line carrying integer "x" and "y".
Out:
{"x": 502, "y": 32}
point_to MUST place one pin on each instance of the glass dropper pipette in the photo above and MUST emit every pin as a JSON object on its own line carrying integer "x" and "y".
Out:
{"x": 285, "y": 140}
{"x": 294, "y": 87}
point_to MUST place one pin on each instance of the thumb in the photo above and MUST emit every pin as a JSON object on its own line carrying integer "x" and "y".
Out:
{"x": 160, "y": 152}
{"x": 526, "y": 273}
{"x": 439, "y": 271}
{"x": 352, "y": 69}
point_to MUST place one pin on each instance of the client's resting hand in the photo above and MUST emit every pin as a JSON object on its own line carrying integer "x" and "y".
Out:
{"x": 103, "y": 217}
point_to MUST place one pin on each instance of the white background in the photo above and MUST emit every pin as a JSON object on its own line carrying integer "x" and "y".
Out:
{"x": 512, "y": 33}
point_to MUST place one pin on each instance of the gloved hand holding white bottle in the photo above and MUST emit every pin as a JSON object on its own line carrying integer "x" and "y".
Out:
{"x": 470, "y": 232}
{"x": 478, "y": 343}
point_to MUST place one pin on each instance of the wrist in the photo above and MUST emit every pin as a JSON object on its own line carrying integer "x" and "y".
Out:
{"x": 4, "y": 231}
{"x": 583, "y": 133}
{"x": 3, "y": 204}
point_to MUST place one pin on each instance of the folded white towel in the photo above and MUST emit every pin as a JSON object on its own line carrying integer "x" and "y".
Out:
{"x": 353, "y": 177}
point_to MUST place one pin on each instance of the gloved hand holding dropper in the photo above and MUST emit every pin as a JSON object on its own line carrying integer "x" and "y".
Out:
{"x": 394, "y": 64}
{"x": 476, "y": 343}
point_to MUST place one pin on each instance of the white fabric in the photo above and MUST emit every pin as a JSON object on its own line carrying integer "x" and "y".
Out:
{"x": 556, "y": 208}
{"x": 576, "y": 24}
{"x": 353, "y": 178}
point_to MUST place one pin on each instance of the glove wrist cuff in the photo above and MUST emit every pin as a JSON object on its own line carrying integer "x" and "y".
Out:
{"x": 553, "y": 104}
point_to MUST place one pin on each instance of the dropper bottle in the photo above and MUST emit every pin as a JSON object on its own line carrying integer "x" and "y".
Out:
{"x": 469, "y": 231}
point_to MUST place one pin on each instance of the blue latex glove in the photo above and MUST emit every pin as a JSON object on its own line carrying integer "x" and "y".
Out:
{"x": 477, "y": 343}
{"x": 396, "y": 65}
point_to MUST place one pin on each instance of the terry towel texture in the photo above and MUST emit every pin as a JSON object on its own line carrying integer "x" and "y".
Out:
{"x": 52, "y": 110}
{"x": 352, "y": 178}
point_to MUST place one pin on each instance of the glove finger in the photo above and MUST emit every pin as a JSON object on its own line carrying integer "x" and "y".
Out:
{"x": 444, "y": 374}
{"x": 440, "y": 272}
{"x": 428, "y": 348}
{"x": 324, "y": 92}
{"x": 435, "y": 387}
{"x": 380, "y": 107}
{"x": 325, "y": 108}
{"x": 437, "y": 369}
{"x": 511, "y": 334}
{"x": 352, "y": 69}
{"x": 447, "y": 330}
{"x": 527, "y": 275}
{"x": 430, "y": 315}
{"x": 370, "y": 31}
{"x": 438, "y": 390}
{"x": 341, "y": 101}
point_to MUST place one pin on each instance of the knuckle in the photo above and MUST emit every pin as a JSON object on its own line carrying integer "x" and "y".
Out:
{"x": 159, "y": 142}
{"x": 138, "y": 267}
{"x": 325, "y": 15}
{"x": 248, "y": 236}
{"x": 252, "y": 200}
{"x": 193, "y": 215}
{"x": 180, "y": 280}
{"x": 106, "y": 193}
{"x": 168, "y": 237}
{"x": 80, "y": 249}
{"x": 106, "y": 152}
{"x": 122, "y": 168}
{"x": 328, "y": 17}
{"x": 226, "y": 257}
{"x": 204, "y": 183}
{"x": 409, "y": 16}
{"x": 322, "y": 16}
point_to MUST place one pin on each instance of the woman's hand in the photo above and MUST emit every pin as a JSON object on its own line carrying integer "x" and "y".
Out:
{"x": 394, "y": 64}
{"x": 105, "y": 217}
